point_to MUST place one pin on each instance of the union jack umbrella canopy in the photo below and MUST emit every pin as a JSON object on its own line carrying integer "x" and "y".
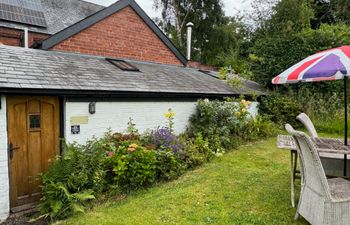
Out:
{"x": 331, "y": 64}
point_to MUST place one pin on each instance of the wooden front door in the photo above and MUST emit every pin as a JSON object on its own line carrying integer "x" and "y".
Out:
{"x": 33, "y": 139}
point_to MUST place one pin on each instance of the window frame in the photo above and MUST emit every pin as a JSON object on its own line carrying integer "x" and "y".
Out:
{"x": 30, "y": 129}
{"x": 129, "y": 67}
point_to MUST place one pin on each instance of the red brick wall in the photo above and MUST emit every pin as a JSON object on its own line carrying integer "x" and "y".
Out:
{"x": 12, "y": 37}
{"x": 121, "y": 35}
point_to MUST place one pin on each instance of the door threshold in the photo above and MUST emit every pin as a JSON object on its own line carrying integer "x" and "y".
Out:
{"x": 24, "y": 209}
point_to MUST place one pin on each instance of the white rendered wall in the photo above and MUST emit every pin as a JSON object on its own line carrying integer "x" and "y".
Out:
{"x": 4, "y": 178}
{"x": 253, "y": 109}
{"x": 115, "y": 115}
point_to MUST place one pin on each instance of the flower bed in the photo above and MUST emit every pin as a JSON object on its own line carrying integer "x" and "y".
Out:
{"x": 119, "y": 162}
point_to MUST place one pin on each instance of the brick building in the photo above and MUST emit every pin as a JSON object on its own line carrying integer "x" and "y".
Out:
{"x": 88, "y": 68}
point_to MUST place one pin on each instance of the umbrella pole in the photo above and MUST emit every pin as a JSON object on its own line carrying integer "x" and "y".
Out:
{"x": 346, "y": 120}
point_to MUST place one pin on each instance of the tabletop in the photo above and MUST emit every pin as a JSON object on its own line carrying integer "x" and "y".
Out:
{"x": 328, "y": 145}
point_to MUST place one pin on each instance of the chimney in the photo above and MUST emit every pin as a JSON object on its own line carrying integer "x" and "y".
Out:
{"x": 26, "y": 38}
{"x": 189, "y": 39}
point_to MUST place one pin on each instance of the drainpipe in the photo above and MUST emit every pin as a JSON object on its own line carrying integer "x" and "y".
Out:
{"x": 189, "y": 39}
{"x": 26, "y": 38}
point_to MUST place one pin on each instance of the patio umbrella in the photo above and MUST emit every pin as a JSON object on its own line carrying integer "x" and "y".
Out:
{"x": 332, "y": 64}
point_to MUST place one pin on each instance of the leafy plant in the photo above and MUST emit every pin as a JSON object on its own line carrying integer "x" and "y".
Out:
{"x": 60, "y": 203}
{"x": 169, "y": 165}
{"x": 280, "y": 109}
{"x": 133, "y": 166}
{"x": 131, "y": 129}
{"x": 198, "y": 151}
{"x": 224, "y": 124}
{"x": 73, "y": 179}
{"x": 216, "y": 121}
{"x": 232, "y": 81}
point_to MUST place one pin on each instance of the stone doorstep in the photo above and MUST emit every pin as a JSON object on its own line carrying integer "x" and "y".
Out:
{"x": 23, "y": 209}
{"x": 20, "y": 215}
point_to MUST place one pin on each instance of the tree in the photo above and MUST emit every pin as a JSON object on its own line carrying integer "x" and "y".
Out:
{"x": 258, "y": 17}
{"x": 291, "y": 16}
{"x": 174, "y": 14}
{"x": 207, "y": 16}
{"x": 330, "y": 12}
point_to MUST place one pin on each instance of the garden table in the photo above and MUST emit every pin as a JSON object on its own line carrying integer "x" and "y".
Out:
{"x": 325, "y": 145}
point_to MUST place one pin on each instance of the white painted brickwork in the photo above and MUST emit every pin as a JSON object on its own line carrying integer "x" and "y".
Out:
{"x": 115, "y": 115}
{"x": 4, "y": 179}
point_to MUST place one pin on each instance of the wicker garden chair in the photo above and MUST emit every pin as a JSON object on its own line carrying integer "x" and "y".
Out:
{"x": 322, "y": 200}
{"x": 329, "y": 160}
{"x": 306, "y": 121}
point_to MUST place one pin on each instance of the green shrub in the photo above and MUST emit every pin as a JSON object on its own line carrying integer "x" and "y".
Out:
{"x": 133, "y": 166}
{"x": 258, "y": 128}
{"x": 198, "y": 151}
{"x": 225, "y": 124}
{"x": 215, "y": 119}
{"x": 169, "y": 165}
{"x": 325, "y": 109}
{"x": 280, "y": 109}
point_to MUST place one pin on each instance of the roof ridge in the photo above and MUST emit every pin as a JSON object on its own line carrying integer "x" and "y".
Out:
{"x": 92, "y": 3}
{"x": 104, "y": 13}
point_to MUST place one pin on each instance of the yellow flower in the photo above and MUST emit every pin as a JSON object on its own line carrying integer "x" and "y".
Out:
{"x": 244, "y": 110}
{"x": 238, "y": 114}
{"x": 170, "y": 114}
{"x": 243, "y": 101}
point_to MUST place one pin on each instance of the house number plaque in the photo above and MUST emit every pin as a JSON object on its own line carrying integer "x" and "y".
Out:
{"x": 75, "y": 129}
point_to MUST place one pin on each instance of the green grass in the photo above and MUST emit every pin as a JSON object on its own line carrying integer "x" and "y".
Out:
{"x": 247, "y": 186}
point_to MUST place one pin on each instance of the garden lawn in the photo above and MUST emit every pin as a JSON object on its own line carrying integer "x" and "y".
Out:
{"x": 246, "y": 186}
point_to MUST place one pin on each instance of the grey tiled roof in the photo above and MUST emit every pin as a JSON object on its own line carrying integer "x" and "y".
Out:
{"x": 59, "y": 14}
{"x": 51, "y": 70}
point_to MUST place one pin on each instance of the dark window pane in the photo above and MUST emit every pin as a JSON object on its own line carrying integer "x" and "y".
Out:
{"x": 34, "y": 121}
{"x": 121, "y": 64}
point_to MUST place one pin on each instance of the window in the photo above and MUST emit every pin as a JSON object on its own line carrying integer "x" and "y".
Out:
{"x": 34, "y": 121}
{"x": 121, "y": 64}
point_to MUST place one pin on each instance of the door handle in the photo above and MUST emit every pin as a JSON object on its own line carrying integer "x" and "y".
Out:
{"x": 11, "y": 148}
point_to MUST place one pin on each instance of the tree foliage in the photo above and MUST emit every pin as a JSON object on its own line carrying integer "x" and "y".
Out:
{"x": 330, "y": 12}
{"x": 290, "y": 16}
{"x": 213, "y": 32}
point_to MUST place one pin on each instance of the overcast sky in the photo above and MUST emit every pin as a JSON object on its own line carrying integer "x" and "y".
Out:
{"x": 231, "y": 6}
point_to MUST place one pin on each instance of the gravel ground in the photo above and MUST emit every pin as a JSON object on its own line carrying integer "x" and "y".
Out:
{"x": 23, "y": 220}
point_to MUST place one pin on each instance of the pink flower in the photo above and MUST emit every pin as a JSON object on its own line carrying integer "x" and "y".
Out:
{"x": 110, "y": 154}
